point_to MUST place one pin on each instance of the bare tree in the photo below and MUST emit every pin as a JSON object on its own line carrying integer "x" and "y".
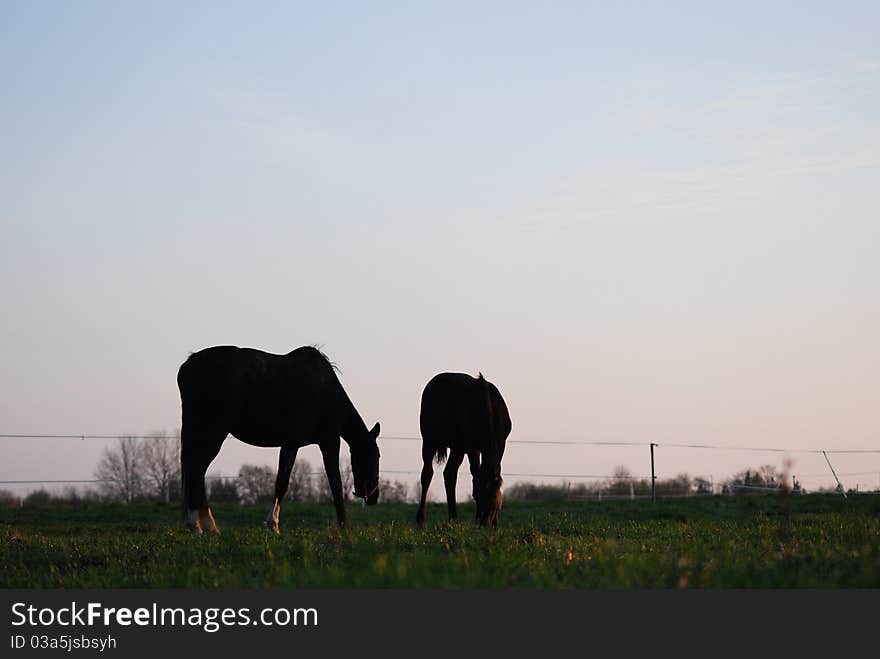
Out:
{"x": 161, "y": 462}
{"x": 8, "y": 499}
{"x": 754, "y": 480}
{"x": 394, "y": 491}
{"x": 120, "y": 470}
{"x": 620, "y": 482}
{"x": 702, "y": 485}
{"x": 770, "y": 476}
{"x": 37, "y": 498}
{"x": 323, "y": 492}
{"x": 224, "y": 489}
{"x": 256, "y": 483}
{"x": 681, "y": 485}
{"x": 301, "y": 488}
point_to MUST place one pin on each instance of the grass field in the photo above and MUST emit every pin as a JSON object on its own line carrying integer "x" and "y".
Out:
{"x": 714, "y": 542}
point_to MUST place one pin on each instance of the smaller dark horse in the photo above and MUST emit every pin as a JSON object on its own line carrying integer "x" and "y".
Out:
{"x": 269, "y": 400}
{"x": 465, "y": 416}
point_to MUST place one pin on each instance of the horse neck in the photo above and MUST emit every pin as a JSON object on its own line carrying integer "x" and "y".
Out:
{"x": 491, "y": 460}
{"x": 495, "y": 448}
{"x": 354, "y": 430}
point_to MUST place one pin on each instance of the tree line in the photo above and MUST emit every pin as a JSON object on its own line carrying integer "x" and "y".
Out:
{"x": 135, "y": 470}
{"x": 622, "y": 484}
{"x": 138, "y": 470}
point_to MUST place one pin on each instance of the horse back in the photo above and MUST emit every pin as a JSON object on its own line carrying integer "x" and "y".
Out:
{"x": 462, "y": 412}
{"x": 257, "y": 396}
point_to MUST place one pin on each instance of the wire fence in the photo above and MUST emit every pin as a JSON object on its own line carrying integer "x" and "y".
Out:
{"x": 512, "y": 441}
{"x": 564, "y": 476}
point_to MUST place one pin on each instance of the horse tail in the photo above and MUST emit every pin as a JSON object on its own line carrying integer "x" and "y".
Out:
{"x": 428, "y": 428}
{"x": 182, "y": 474}
{"x": 185, "y": 366}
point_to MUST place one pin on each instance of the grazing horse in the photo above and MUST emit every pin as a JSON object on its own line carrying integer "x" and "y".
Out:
{"x": 466, "y": 416}
{"x": 269, "y": 400}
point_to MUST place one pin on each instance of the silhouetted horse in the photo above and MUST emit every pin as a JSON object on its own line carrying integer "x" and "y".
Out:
{"x": 466, "y": 416}
{"x": 270, "y": 400}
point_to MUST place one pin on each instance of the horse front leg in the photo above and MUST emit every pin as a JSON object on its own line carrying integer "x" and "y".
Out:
{"x": 450, "y": 477}
{"x": 286, "y": 460}
{"x": 474, "y": 464}
{"x": 330, "y": 454}
{"x": 427, "y": 475}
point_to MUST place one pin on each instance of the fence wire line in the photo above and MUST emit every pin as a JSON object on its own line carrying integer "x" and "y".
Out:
{"x": 610, "y": 477}
{"x": 83, "y": 437}
{"x": 717, "y": 447}
{"x": 391, "y": 437}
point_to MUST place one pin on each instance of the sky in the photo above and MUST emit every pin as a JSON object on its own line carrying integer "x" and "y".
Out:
{"x": 644, "y": 222}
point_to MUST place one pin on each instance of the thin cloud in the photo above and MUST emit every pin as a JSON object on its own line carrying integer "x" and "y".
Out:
{"x": 741, "y": 145}
{"x": 621, "y": 192}
{"x": 269, "y": 129}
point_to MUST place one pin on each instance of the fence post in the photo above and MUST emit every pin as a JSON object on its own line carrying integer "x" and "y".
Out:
{"x": 653, "y": 478}
{"x": 839, "y": 484}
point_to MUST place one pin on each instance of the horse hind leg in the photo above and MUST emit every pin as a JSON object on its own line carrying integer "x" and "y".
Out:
{"x": 205, "y": 513}
{"x": 198, "y": 450}
{"x": 426, "y": 476}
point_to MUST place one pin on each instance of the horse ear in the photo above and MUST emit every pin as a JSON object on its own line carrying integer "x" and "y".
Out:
{"x": 374, "y": 433}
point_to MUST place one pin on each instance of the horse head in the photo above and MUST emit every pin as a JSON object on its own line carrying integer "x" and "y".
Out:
{"x": 365, "y": 467}
{"x": 489, "y": 496}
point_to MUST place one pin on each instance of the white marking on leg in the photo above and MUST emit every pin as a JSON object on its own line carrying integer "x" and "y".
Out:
{"x": 212, "y": 525}
{"x": 192, "y": 521}
{"x": 274, "y": 515}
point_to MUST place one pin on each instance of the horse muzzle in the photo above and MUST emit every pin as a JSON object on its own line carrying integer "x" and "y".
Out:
{"x": 371, "y": 498}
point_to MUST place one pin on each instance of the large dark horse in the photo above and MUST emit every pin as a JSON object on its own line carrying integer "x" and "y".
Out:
{"x": 465, "y": 416}
{"x": 269, "y": 400}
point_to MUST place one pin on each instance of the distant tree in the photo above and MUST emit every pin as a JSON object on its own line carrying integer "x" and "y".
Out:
{"x": 393, "y": 491}
{"x": 90, "y": 495}
{"x": 37, "y": 498}
{"x": 551, "y": 492}
{"x": 347, "y": 477}
{"x": 224, "y": 490}
{"x": 769, "y": 476}
{"x": 323, "y": 492}
{"x": 8, "y": 499}
{"x": 679, "y": 486}
{"x": 620, "y": 482}
{"x": 161, "y": 460}
{"x": 69, "y": 494}
{"x": 702, "y": 486}
{"x": 121, "y": 470}
{"x": 301, "y": 487}
{"x": 256, "y": 483}
{"x": 754, "y": 481}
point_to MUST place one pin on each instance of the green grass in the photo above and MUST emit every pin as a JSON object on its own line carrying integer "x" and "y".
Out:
{"x": 716, "y": 542}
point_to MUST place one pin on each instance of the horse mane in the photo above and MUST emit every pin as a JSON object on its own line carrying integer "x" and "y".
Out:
{"x": 317, "y": 348}
{"x": 490, "y": 409}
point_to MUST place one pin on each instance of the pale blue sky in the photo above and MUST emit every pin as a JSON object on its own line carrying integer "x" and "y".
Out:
{"x": 645, "y": 222}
